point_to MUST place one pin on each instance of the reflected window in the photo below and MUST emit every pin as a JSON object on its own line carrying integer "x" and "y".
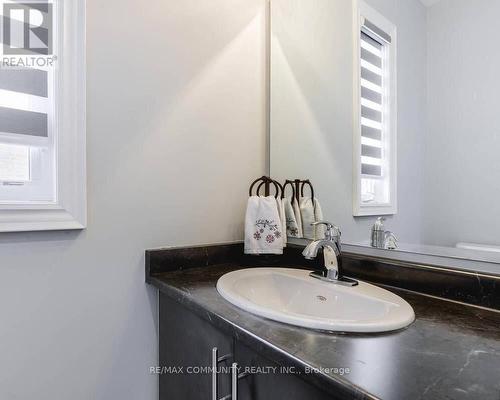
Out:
{"x": 375, "y": 180}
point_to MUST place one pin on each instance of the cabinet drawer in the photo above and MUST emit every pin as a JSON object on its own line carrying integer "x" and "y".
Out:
{"x": 270, "y": 382}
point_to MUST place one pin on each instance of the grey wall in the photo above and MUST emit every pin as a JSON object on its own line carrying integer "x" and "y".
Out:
{"x": 176, "y": 110}
{"x": 463, "y": 141}
{"x": 312, "y": 106}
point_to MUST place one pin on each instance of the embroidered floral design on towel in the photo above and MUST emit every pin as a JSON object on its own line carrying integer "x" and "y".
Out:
{"x": 265, "y": 223}
{"x": 291, "y": 227}
{"x": 271, "y": 226}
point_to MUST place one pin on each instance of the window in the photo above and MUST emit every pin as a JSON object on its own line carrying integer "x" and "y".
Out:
{"x": 42, "y": 115}
{"x": 14, "y": 164}
{"x": 26, "y": 135}
{"x": 375, "y": 115}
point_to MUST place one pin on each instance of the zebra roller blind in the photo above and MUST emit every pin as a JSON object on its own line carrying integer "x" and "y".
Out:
{"x": 24, "y": 103}
{"x": 373, "y": 107}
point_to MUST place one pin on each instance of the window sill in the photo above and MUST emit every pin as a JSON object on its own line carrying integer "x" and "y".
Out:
{"x": 374, "y": 210}
{"x": 39, "y": 220}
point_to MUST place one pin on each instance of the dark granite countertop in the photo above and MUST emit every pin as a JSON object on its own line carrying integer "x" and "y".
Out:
{"x": 451, "y": 351}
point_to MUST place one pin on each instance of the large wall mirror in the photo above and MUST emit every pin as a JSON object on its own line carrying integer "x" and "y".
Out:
{"x": 391, "y": 108}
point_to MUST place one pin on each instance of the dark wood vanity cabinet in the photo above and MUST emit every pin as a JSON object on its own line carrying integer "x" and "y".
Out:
{"x": 186, "y": 351}
{"x": 186, "y": 343}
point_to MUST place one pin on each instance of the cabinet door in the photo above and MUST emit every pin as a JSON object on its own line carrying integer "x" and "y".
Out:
{"x": 269, "y": 381}
{"x": 186, "y": 341}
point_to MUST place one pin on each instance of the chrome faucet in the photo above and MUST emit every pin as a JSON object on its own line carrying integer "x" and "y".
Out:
{"x": 332, "y": 254}
{"x": 382, "y": 239}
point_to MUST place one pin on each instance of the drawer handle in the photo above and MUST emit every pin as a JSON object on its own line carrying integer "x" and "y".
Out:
{"x": 234, "y": 380}
{"x": 215, "y": 363}
{"x": 214, "y": 373}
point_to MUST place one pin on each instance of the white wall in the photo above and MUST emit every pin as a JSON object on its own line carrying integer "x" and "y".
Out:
{"x": 176, "y": 117}
{"x": 464, "y": 129}
{"x": 312, "y": 112}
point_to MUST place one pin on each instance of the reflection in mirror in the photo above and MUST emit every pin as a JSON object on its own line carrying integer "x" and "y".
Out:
{"x": 390, "y": 109}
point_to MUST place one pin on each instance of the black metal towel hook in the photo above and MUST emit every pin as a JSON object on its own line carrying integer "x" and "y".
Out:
{"x": 297, "y": 186}
{"x": 266, "y": 182}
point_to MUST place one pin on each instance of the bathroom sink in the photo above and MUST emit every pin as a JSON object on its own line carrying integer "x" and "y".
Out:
{"x": 293, "y": 297}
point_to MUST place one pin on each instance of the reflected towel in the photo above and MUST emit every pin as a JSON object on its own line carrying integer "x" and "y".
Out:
{"x": 298, "y": 218}
{"x": 310, "y": 213}
{"x": 293, "y": 229}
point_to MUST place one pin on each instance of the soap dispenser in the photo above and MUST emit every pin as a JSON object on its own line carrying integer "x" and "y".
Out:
{"x": 378, "y": 233}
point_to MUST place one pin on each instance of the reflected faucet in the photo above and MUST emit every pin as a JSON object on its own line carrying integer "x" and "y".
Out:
{"x": 382, "y": 239}
{"x": 332, "y": 254}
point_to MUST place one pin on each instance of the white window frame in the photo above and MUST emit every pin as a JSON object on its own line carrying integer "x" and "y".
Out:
{"x": 69, "y": 211}
{"x": 360, "y": 12}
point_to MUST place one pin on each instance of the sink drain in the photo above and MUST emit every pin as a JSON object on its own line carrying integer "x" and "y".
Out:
{"x": 321, "y": 298}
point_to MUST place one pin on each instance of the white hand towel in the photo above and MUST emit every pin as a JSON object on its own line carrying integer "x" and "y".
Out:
{"x": 292, "y": 229}
{"x": 311, "y": 212}
{"x": 281, "y": 211}
{"x": 263, "y": 233}
{"x": 298, "y": 218}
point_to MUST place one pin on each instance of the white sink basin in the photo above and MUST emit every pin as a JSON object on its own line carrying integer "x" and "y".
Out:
{"x": 293, "y": 297}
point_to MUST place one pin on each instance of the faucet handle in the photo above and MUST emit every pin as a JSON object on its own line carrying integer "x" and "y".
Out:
{"x": 332, "y": 230}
